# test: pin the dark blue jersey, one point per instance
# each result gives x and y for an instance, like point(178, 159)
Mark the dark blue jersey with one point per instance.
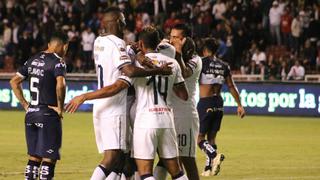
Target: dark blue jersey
point(41, 70)
point(214, 71)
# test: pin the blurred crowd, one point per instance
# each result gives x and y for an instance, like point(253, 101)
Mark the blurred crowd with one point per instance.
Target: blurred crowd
point(277, 39)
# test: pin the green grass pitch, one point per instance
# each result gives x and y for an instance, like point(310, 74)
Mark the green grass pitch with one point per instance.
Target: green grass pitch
point(256, 148)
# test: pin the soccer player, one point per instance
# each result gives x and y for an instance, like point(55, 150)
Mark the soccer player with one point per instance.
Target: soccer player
point(214, 74)
point(154, 126)
point(113, 66)
point(46, 74)
point(185, 112)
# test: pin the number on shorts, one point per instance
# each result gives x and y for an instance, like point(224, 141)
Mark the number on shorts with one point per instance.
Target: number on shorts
point(182, 139)
point(159, 87)
point(34, 82)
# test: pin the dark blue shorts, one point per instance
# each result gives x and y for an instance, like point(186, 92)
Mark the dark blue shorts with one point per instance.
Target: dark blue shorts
point(44, 137)
point(210, 110)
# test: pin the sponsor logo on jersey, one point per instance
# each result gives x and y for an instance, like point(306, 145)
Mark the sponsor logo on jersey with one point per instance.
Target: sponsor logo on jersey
point(159, 109)
point(38, 63)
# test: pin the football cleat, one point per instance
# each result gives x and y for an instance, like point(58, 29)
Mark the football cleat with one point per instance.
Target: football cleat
point(206, 173)
point(216, 164)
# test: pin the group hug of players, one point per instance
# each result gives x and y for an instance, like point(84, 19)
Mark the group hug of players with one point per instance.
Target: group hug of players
point(145, 104)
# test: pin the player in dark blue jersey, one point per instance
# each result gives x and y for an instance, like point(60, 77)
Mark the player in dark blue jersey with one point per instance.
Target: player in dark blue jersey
point(214, 74)
point(46, 73)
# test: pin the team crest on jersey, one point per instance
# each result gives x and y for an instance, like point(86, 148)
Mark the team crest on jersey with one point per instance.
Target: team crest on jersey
point(155, 62)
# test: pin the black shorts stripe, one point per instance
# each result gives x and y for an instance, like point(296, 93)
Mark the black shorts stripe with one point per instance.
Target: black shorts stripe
point(179, 83)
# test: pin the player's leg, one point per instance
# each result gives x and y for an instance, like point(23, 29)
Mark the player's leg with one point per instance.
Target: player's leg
point(190, 166)
point(216, 162)
point(111, 139)
point(144, 149)
point(160, 172)
point(33, 165)
point(187, 129)
point(145, 167)
point(50, 133)
point(205, 111)
point(174, 169)
point(168, 153)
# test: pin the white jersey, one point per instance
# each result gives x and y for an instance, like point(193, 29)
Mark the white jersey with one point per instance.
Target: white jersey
point(188, 108)
point(153, 93)
point(110, 56)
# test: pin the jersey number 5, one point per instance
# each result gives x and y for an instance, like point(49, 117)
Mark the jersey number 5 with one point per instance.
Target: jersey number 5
point(34, 82)
point(160, 85)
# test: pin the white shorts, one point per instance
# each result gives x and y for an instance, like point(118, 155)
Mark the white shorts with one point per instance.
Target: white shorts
point(111, 133)
point(187, 134)
point(148, 141)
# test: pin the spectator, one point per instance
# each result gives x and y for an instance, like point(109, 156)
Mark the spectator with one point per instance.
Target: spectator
point(283, 71)
point(275, 16)
point(296, 72)
point(88, 38)
point(296, 30)
point(218, 10)
point(309, 53)
point(259, 56)
point(253, 68)
point(286, 20)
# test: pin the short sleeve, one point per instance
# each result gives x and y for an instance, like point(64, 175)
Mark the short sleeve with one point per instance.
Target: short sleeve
point(23, 71)
point(126, 79)
point(193, 64)
point(121, 57)
point(179, 78)
point(60, 69)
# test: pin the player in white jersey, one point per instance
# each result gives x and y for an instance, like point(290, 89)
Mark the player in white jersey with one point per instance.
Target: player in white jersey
point(154, 126)
point(185, 113)
point(113, 67)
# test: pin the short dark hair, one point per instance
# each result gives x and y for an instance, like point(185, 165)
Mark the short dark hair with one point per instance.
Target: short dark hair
point(211, 44)
point(186, 32)
point(150, 37)
point(59, 36)
point(113, 10)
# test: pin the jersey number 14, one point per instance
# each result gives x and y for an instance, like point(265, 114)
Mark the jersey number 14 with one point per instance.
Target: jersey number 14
point(160, 86)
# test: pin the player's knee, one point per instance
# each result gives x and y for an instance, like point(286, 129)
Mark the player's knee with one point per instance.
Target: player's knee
point(35, 158)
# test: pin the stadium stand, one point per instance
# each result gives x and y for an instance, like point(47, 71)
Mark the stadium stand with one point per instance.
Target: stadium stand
point(280, 32)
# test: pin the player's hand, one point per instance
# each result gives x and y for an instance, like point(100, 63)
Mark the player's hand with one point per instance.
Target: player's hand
point(134, 46)
point(166, 69)
point(74, 104)
point(178, 44)
point(241, 111)
point(57, 110)
point(26, 106)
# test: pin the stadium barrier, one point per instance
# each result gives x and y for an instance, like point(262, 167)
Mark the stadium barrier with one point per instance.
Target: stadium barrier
point(298, 98)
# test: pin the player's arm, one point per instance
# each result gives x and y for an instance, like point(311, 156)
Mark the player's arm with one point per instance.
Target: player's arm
point(181, 91)
point(235, 93)
point(16, 85)
point(185, 69)
point(104, 92)
point(61, 93)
